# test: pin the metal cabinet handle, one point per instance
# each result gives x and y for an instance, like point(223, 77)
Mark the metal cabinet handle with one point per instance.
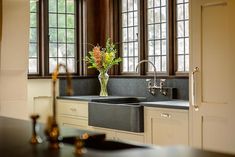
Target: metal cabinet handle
point(195, 70)
point(165, 115)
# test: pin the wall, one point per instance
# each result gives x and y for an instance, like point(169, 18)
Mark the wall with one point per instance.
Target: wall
point(178, 88)
point(39, 97)
point(13, 58)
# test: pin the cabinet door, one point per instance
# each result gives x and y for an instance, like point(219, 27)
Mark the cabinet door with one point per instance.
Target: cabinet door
point(212, 110)
point(129, 137)
point(166, 126)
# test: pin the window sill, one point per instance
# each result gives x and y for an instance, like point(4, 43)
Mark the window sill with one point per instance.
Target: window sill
point(114, 76)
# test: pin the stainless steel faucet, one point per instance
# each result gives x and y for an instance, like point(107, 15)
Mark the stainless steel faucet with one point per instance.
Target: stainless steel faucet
point(153, 88)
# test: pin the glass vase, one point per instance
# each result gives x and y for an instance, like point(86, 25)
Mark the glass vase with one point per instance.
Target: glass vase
point(103, 79)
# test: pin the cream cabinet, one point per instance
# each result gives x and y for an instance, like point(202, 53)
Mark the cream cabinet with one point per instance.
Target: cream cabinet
point(166, 126)
point(212, 42)
point(73, 113)
point(118, 135)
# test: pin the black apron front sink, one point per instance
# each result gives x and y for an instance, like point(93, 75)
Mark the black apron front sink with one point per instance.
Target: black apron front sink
point(121, 114)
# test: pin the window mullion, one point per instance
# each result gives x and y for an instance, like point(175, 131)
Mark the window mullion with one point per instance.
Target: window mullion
point(171, 37)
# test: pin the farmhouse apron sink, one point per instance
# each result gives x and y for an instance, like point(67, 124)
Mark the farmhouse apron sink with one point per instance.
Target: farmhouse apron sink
point(117, 113)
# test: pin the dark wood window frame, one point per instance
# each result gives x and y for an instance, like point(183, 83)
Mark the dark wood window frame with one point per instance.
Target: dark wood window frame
point(43, 37)
point(143, 42)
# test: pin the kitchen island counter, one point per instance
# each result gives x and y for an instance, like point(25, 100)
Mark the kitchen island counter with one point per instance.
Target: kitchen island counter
point(15, 135)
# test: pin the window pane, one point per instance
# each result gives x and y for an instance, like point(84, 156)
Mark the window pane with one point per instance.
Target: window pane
point(124, 34)
point(33, 34)
point(181, 63)
point(61, 50)
point(125, 65)
point(53, 35)
point(124, 5)
point(182, 28)
point(52, 64)
point(71, 50)
point(124, 50)
point(62, 46)
point(129, 29)
point(124, 20)
point(150, 3)
point(33, 19)
point(180, 45)
point(157, 34)
point(130, 5)
point(151, 48)
point(70, 6)
point(33, 6)
point(33, 50)
point(135, 18)
point(61, 35)
point(33, 66)
point(131, 49)
point(157, 47)
point(61, 20)
point(70, 35)
point(52, 6)
point(52, 20)
point(61, 6)
point(33, 44)
point(71, 65)
point(53, 50)
point(186, 63)
point(151, 32)
point(130, 19)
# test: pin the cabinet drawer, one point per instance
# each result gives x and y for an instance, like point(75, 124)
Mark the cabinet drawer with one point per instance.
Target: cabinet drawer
point(81, 123)
point(73, 108)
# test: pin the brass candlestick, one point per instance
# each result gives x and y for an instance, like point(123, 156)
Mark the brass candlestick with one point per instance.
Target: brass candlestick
point(35, 139)
point(52, 130)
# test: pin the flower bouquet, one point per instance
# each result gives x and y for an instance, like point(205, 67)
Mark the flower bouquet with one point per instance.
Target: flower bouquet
point(103, 59)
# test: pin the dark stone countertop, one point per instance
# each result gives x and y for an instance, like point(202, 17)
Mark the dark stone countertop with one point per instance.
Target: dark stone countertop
point(95, 97)
point(15, 135)
point(174, 104)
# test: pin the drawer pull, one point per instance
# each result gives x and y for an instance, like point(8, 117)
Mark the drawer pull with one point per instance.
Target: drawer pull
point(73, 109)
point(165, 115)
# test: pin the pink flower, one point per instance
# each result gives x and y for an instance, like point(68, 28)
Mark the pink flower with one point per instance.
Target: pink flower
point(97, 56)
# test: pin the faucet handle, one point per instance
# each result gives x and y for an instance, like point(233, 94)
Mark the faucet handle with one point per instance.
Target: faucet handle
point(162, 82)
point(149, 82)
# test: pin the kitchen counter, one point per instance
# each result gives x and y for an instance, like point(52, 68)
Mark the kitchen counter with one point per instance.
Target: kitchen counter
point(15, 135)
point(95, 97)
point(174, 104)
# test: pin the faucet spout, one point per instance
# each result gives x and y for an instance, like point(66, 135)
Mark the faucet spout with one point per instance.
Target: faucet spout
point(155, 70)
point(69, 89)
point(52, 130)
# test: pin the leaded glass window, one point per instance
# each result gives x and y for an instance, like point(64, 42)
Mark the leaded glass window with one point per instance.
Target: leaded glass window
point(182, 39)
point(129, 38)
point(62, 34)
point(157, 34)
point(33, 67)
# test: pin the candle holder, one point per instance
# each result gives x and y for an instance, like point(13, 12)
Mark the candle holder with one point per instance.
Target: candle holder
point(35, 139)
